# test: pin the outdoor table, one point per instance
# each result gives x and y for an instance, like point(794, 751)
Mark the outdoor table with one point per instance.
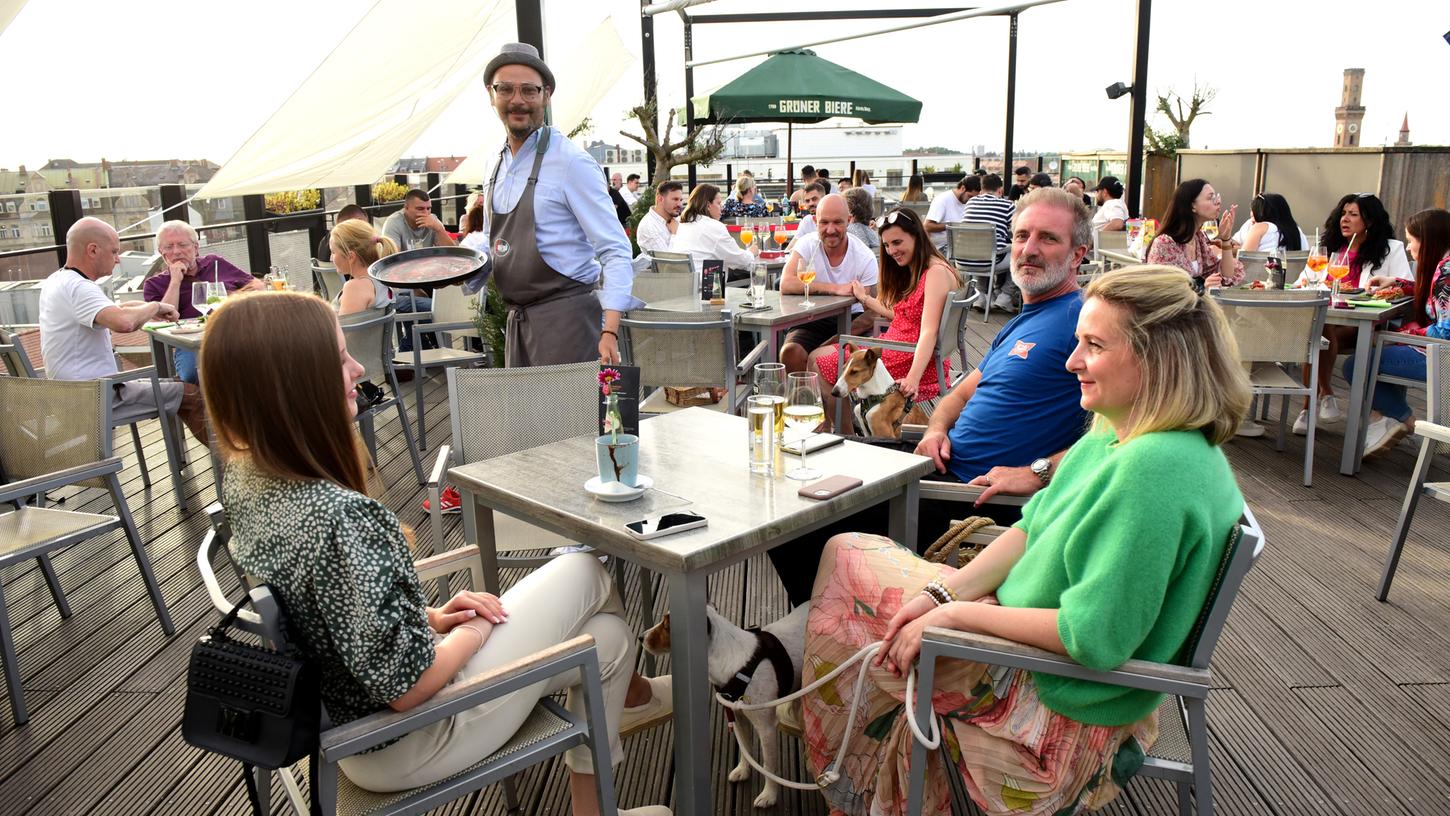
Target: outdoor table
point(699, 460)
point(1367, 321)
point(162, 340)
point(785, 313)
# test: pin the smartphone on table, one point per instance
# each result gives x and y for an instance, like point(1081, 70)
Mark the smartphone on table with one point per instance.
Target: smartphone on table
point(667, 524)
point(829, 487)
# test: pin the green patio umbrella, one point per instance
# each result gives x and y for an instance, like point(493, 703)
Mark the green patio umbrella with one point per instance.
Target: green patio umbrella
point(798, 86)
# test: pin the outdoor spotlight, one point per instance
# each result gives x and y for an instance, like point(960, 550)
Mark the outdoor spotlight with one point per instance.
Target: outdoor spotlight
point(1118, 89)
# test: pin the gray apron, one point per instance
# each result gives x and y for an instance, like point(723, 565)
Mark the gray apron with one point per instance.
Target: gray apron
point(553, 319)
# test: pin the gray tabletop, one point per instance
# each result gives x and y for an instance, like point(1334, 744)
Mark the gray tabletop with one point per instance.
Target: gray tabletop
point(188, 340)
point(698, 459)
point(783, 308)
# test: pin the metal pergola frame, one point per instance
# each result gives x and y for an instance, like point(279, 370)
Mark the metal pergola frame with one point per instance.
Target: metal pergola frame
point(1139, 93)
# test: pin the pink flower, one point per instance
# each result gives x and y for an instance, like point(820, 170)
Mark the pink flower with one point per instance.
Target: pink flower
point(607, 376)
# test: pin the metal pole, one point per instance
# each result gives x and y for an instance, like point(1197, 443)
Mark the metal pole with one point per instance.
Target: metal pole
point(651, 88)
point(789, 158)
point(689, 91)
point(259, 248)
point(530, 18)
point(173, 202)
point(1011, 95)
point(1139, 111)
point(65, 210)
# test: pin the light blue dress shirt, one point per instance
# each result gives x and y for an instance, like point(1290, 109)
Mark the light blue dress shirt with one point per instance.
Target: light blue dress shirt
point(576, 227)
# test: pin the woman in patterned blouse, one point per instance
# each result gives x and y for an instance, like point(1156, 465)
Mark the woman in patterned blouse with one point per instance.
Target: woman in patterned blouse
point(1182, 243)
point(296, 498)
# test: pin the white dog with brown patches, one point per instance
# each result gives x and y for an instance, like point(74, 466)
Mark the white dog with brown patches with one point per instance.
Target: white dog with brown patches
point(751, 666)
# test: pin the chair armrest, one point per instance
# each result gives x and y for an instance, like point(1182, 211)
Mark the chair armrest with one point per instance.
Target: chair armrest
point(438, 328)
point(61, 478)
point(750, 359)
point(959, 492)
point(373, 730)
point(1403, 339)
point(1430, 430)
point(435, 477)
point(133, 374)
point(912, 433)
point(1164, 678)
point(875, 342)
point(448, 562)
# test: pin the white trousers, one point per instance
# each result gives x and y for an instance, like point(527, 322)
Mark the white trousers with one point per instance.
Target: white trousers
point(569, 596)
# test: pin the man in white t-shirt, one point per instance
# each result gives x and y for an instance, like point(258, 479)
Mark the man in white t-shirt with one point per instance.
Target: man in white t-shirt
point(946, 208)
point(630, 191)
point(1112, 214)
point(76, 321)
point(838, 260)
point(658, 225)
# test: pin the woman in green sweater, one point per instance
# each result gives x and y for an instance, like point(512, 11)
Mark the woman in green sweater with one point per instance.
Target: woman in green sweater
point(1113, 560)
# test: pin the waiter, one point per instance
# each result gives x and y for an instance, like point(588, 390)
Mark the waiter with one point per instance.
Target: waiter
point(552, 228)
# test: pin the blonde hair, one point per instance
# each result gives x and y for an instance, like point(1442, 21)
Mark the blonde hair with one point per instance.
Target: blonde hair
point(359, 237)
point(743, 186)
point(1191, 375)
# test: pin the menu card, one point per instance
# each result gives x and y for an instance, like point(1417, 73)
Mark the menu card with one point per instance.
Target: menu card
point(627, 387)
point(712, 279)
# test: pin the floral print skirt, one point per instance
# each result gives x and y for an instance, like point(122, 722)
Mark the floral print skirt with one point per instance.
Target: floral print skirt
point(1015, 755)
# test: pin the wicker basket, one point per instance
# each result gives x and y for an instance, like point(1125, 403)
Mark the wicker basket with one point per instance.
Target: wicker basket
point(691, 397)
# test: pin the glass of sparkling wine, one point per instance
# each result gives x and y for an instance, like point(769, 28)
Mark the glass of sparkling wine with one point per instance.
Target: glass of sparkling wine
point(200, 291)
point(803, 413)
point(761, 411)
point(807, 276)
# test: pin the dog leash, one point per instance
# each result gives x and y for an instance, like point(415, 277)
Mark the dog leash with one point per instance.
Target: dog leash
point(832, 773)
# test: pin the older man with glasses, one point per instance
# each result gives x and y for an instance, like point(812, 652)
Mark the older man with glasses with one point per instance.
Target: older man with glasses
point(179, 246)
point(552, 229)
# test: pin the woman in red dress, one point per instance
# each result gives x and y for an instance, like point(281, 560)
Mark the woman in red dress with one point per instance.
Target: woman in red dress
point(915, 283)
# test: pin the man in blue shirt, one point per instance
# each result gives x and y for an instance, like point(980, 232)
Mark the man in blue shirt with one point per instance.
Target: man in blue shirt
point(1008, 423)
point(549, 219)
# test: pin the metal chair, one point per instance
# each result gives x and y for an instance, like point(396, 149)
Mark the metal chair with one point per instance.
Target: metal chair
point(1434, 431)
point(1110, 240)
point(1182, 750)
point(973, 244)
point(684, 349)
point(17, 363)
point(326, 280)
point(54, 436)
point(654, 286)
point(1254, 265)
point(549, 730)
point(675, 262)
point(452, 320)
point(369, 338)
point(1274, 329)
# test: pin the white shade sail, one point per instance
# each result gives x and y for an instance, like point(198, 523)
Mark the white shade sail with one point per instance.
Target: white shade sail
point(8, 10)
point(370, 99)
point(585, 72)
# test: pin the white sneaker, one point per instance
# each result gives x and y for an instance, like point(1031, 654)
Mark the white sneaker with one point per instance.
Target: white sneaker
point(647, 810)
point(1301, 424)
point(1251, 428)
point(1329, 409)
point(1382, 435)
point(1004, 302)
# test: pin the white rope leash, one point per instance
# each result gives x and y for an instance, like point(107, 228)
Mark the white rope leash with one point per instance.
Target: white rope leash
point(832, 773)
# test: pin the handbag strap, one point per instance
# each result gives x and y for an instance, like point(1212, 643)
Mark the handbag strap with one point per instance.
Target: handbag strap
point(314, 805)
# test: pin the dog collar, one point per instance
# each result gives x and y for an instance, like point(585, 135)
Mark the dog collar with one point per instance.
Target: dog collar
point(767, 647)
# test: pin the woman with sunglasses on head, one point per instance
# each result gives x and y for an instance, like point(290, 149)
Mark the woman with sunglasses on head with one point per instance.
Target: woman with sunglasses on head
point(1271, 227)
point(342, 564)
point(914, 284)
point(1427, 236)
point(1358, 230)
point(1181, 241)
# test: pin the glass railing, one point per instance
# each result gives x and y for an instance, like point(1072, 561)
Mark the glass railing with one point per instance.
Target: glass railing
point(25, 224)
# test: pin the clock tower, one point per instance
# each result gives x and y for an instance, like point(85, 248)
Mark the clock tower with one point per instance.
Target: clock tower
point(1350, 114)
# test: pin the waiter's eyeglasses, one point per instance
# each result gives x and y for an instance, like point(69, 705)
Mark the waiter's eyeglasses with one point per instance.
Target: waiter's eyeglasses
point(529, 91)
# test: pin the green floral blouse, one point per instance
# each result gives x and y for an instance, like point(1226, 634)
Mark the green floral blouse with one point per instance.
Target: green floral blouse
point(340, 563)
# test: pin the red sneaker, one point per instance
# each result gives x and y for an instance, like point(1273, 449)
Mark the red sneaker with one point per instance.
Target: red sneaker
point(449, 502)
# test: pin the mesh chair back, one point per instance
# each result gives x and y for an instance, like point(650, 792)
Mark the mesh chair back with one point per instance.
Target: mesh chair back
point(451, 305)
point(1245, 545)
point(1437, 383)
point(498, 411)
point(327, 281)
point(234, 251)
point(1275, 327)
point(679, 348)
point(652, 287)
point(1111, 240)
point(13, 357)
point(675, 262)
point(1254, 265)
point(975, 242)
point(952, 335)
point(52, 425)
point(369, 337)
point(1296, 259)
point(292, 250)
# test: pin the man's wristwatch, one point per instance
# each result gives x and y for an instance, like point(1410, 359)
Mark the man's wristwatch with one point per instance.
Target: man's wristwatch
point(1042, 469)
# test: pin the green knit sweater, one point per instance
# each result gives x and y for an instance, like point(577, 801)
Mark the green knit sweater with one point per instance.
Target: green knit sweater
point(1125, 544)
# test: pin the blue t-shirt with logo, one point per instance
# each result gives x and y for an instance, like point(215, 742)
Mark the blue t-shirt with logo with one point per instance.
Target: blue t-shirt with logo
point(1027, 403)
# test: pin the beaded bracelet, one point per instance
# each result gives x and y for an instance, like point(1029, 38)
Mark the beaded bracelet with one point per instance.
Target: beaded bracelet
point(937, 592)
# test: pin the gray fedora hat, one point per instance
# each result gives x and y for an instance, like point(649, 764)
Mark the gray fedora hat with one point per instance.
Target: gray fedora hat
point(519, 54)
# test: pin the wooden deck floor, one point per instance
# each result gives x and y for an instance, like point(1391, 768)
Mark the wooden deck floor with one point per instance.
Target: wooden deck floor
point(1328, 701)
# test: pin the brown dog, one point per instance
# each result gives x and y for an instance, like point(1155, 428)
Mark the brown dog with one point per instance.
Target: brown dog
point(877, 404)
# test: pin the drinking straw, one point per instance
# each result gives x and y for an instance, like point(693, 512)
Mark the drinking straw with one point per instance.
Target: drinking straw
point(1316, 238)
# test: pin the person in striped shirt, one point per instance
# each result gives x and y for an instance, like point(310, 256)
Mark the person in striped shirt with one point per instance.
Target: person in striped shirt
point(991, 208)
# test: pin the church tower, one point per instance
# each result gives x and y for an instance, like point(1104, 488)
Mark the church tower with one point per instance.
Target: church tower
point(1349, 115)
point(1404, 140)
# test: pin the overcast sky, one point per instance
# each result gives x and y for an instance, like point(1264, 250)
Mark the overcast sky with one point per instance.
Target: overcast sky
point(152, 79)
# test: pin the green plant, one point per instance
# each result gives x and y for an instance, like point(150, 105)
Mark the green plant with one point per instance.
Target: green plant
point(927, 169)
point(386, 191)
point(490, 322)
point(293, 201)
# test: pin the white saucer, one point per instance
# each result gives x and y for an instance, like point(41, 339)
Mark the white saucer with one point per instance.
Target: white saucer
point(618, 492)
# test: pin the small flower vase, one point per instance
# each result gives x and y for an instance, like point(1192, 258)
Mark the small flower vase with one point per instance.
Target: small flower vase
point(617, 454)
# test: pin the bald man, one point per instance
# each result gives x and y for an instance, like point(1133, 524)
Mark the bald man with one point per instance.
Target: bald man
point(840, 261)
point(76, 321)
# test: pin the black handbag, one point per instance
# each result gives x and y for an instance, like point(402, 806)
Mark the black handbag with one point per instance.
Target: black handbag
point(257, 705)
